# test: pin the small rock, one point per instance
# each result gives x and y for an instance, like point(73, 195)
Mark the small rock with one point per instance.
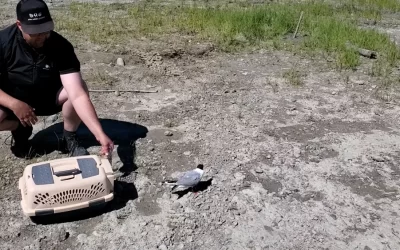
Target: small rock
point(117, 93)
point(168, 123)
point(296, 152)
point(258, 170)
point(162, 247)
point(151, 148)
point(63, 235)
point(143, 224)
point(168, 133)
point(377, 158)
point(120, 62)
point(268, 156)
point(176, 206)
point(246, 184)
point(187, 153)
point(239, 176)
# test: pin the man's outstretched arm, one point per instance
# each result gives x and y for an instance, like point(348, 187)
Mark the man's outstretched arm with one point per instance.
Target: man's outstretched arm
point(74, 86)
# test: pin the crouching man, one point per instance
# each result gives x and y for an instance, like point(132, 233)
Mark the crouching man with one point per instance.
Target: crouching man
point(40, 76)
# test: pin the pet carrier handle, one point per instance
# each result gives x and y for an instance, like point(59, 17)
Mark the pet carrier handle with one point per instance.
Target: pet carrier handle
point(67, 172)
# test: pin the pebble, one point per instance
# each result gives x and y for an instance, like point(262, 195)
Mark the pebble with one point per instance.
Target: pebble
point(63, 235)
point(162, 247)
point(120, 62)
point(168, 123)
point(377, 158)
point(296, 152)
point(239, 176)
point(168, 133)
point(176, 205)
point(259, 170)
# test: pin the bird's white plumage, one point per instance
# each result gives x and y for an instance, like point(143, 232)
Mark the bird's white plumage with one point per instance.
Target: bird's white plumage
point(189, 179)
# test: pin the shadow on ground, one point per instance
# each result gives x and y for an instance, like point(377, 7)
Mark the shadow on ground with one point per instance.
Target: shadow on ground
point(123, 134)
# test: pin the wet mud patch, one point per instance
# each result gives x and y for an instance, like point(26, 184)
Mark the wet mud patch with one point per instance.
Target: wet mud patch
point(373, 186)
point(303, 133)
point(316, 151)
point(311, 195)
point(269, 184)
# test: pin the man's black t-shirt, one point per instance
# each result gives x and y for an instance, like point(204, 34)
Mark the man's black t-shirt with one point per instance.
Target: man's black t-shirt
point(34, 76)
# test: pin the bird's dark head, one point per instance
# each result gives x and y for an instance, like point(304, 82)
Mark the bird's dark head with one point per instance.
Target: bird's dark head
point(200, 166)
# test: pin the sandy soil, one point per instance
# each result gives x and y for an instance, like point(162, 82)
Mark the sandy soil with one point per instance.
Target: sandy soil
point(287, 167)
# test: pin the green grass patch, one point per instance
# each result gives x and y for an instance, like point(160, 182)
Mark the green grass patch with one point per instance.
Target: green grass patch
point(325, 28)
point(294, 77)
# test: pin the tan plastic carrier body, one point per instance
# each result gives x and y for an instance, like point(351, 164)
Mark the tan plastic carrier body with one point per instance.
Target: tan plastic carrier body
point(66, 184)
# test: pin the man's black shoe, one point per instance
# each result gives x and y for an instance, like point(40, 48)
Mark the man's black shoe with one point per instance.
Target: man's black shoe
point(22, 147)
point(72, 144)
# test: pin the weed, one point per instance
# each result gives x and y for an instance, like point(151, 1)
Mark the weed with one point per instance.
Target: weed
point(294, 77)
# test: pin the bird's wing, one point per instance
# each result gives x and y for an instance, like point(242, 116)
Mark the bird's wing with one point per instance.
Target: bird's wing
point(189, 179)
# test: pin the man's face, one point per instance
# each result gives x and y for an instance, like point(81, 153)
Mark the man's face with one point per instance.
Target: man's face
point(34, 40)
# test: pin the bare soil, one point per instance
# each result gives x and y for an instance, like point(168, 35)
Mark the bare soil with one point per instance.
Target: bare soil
point(314, 166)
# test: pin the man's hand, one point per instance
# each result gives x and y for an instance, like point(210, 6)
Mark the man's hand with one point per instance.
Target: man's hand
point(25, 113)
point(107, 145)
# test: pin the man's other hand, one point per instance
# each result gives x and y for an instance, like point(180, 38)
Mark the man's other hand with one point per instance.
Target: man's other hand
point(25, 113)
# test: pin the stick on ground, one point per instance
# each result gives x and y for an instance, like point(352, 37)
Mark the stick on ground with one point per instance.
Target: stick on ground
point(364, 52)
point(112, 90)
point(298, 24)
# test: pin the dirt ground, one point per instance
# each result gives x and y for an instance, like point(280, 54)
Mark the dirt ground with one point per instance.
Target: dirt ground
point(286, 167)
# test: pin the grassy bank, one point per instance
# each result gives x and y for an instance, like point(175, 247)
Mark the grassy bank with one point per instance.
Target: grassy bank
point(325, 28)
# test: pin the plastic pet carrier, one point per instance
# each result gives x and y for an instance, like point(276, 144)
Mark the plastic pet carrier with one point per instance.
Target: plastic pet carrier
point(67, 184)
